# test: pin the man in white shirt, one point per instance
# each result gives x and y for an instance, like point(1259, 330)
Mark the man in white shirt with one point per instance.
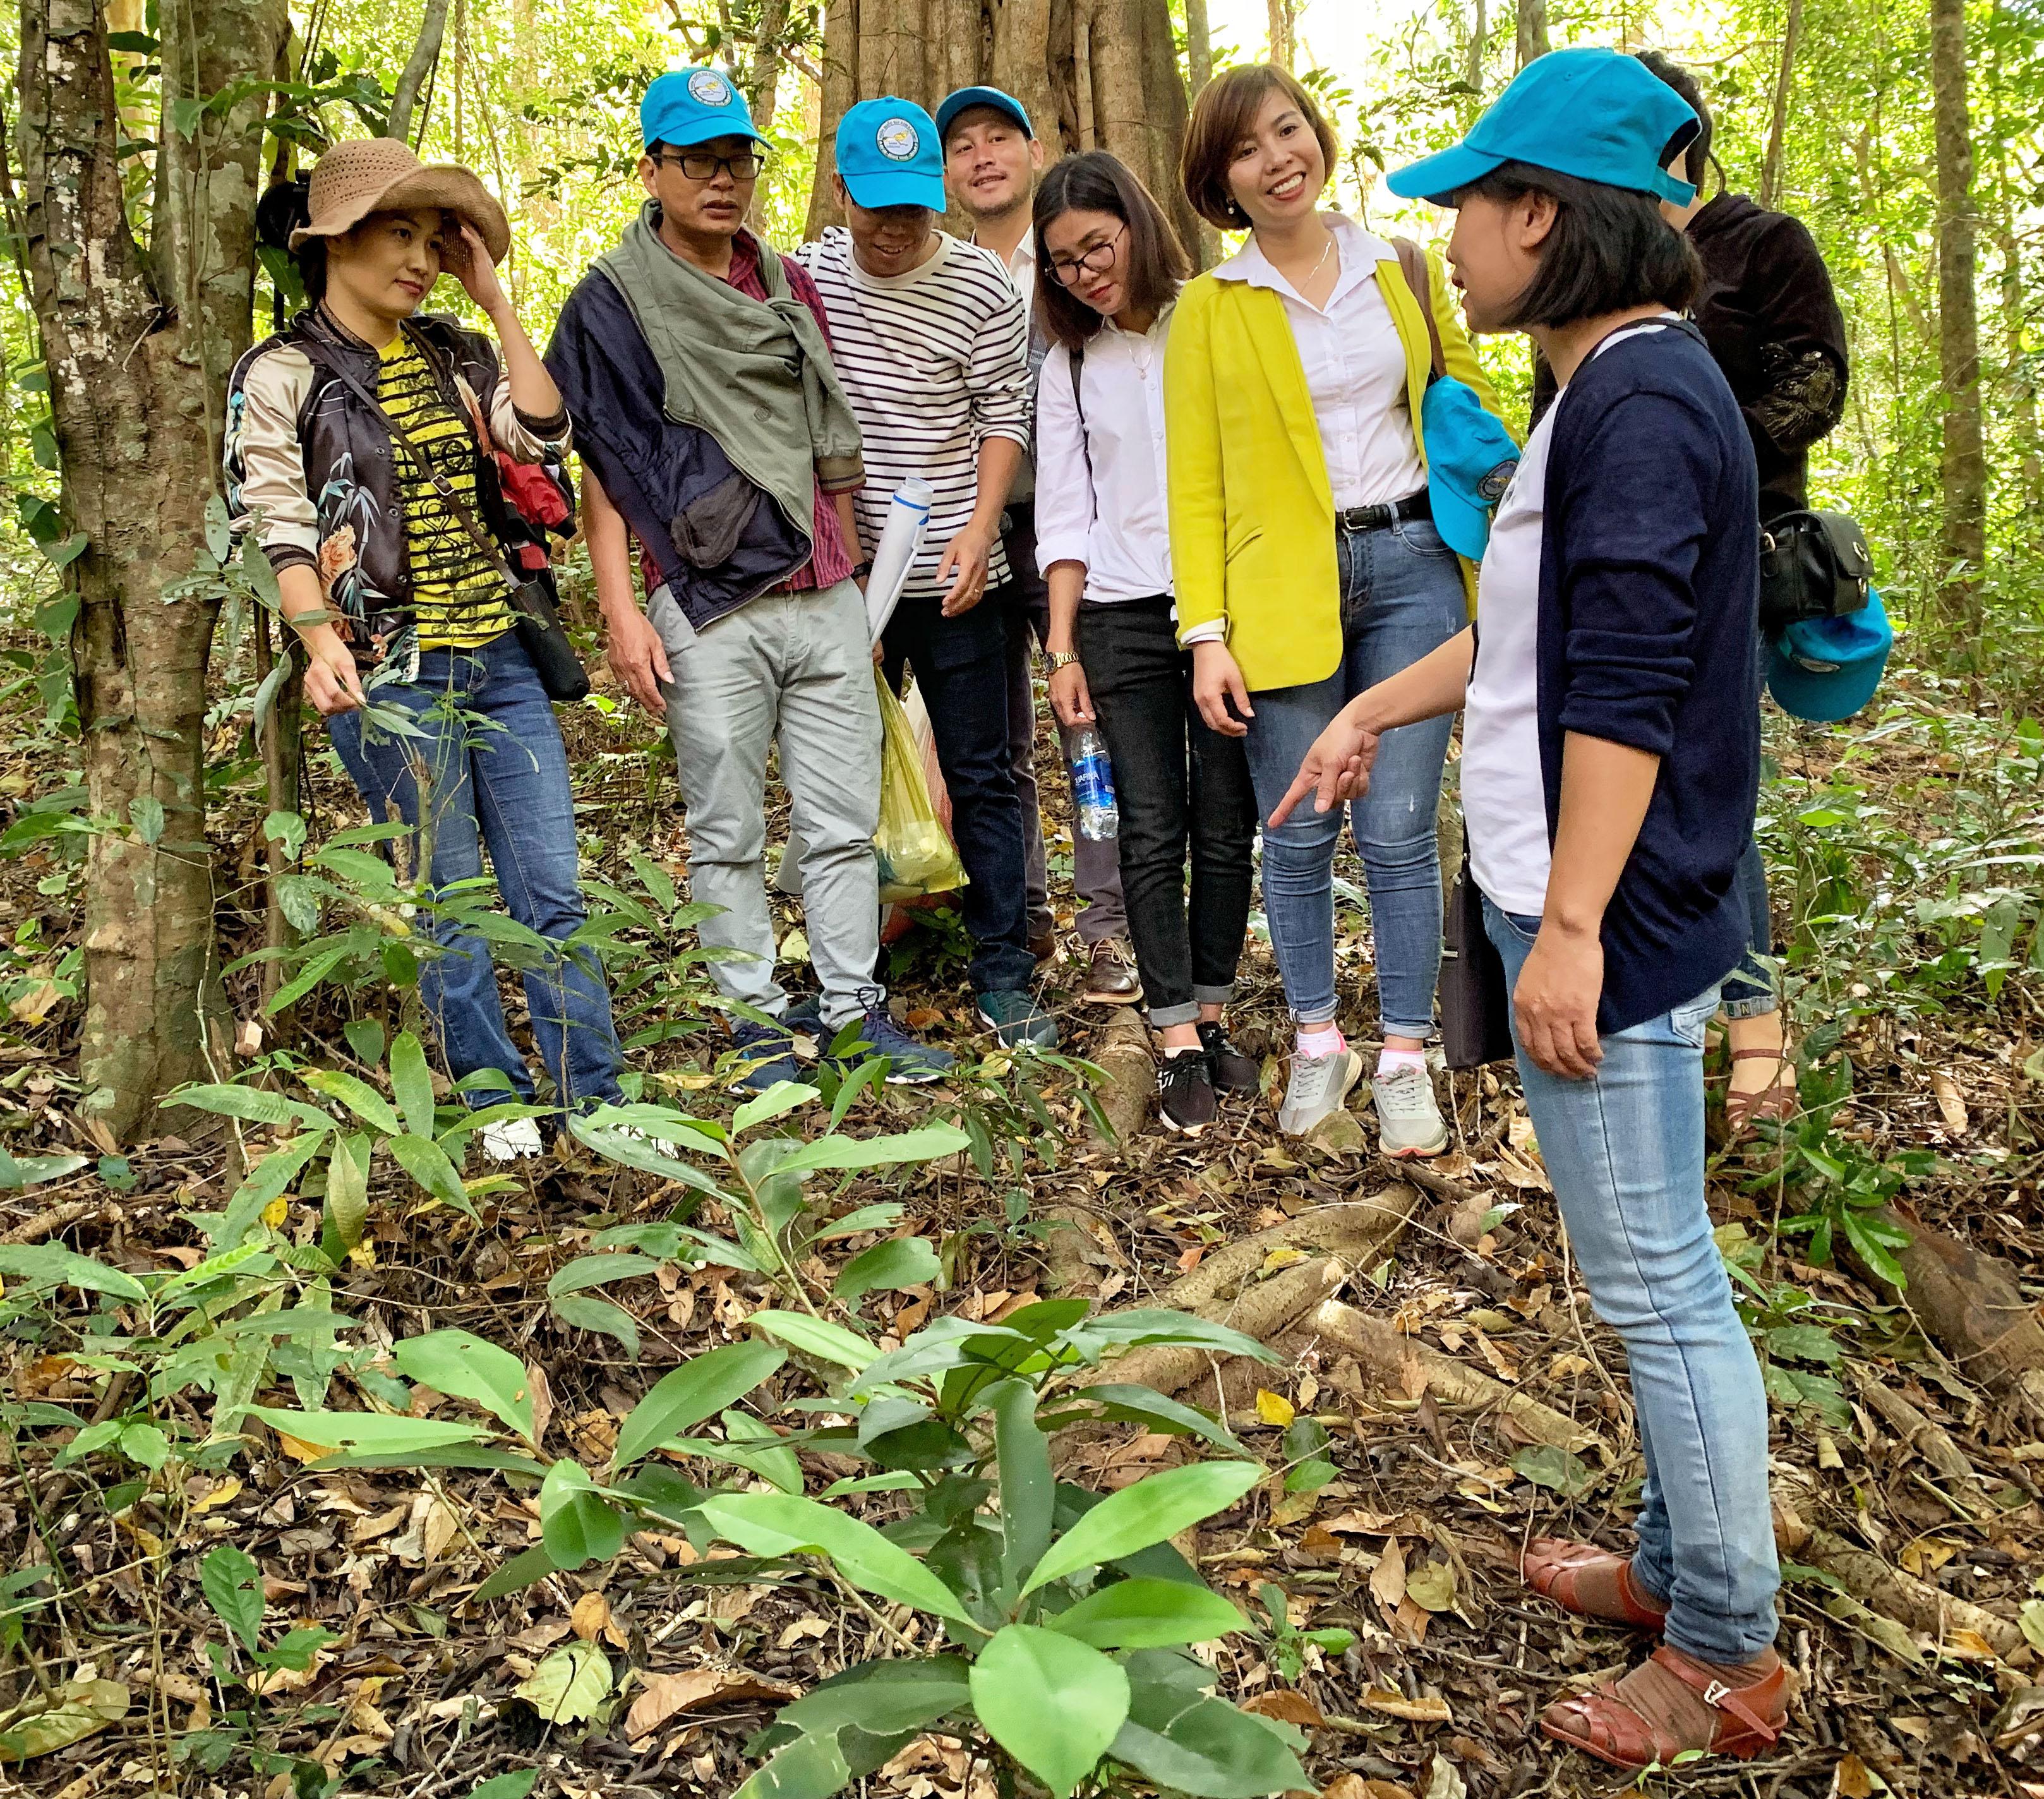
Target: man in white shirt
point(929, 340)
point(992, 157)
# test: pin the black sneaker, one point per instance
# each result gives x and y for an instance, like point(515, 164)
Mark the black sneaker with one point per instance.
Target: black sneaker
point(1185, 1092)
point(766, 1054)
point(1234, 1072)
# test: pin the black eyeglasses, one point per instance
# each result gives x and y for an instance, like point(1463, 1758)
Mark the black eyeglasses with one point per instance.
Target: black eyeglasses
point(702, 165)
point(1100, 258)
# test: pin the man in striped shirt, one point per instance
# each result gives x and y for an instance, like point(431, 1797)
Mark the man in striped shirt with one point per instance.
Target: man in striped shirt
point(931, 341)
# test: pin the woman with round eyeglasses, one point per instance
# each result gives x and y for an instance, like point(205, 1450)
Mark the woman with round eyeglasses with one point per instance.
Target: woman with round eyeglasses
point(1104, 544)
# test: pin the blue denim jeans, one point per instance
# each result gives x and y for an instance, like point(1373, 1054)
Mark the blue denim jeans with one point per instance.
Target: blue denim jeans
point(1401, 598)
point(1625, 1151)
point(493, 760)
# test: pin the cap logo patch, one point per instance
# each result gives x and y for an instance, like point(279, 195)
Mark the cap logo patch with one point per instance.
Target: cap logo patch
point(710, 88)
point(898, 140)
point(1491, 488)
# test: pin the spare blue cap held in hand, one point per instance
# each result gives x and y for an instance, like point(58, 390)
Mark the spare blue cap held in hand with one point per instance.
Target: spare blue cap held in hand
point(1470, 458)
point(1826, 669)
point(686, 106)
point(1594, 114)
point(953, 104)
point(889, 154)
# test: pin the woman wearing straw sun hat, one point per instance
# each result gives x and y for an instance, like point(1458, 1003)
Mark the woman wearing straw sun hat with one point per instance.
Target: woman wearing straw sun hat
point(1610, 762)
point(362, 449)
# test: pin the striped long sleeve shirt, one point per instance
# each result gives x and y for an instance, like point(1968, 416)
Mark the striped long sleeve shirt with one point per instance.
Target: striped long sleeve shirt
point(934, 362)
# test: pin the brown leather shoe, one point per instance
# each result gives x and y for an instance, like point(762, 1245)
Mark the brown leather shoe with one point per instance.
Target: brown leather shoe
point(1111, 979)
point(1043, 945)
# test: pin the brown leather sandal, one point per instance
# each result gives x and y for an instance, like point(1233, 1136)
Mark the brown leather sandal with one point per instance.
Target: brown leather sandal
point(1775, 1104)
point(1616, 1726)
point(1554, 1567)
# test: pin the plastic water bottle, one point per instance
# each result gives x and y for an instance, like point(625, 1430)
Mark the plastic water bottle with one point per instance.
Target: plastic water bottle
point(1093, 788)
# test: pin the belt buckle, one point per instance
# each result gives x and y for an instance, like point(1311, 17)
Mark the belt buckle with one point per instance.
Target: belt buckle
point(1717, 1693)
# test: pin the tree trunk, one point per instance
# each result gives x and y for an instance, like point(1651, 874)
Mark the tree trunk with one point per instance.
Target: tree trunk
point(1963, 541)
point(762, 77)
point(1532, 31)
point(1473, 68)
point(1092, 73)
point(1778, 125)
point(1281, 32)
point(1199, 67)
point(425, 53)
point(138, 350)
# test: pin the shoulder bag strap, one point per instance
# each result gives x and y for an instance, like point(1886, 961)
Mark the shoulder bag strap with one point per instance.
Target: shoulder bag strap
point(1412, 259)
point(441, 485)
point(1075, 360)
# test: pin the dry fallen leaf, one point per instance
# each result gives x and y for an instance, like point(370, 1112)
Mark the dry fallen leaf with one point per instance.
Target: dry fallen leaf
point(1356, 1787)
point(1950, 1107)
point(1849, 1779)
point(667, 1696)
point(801, 1630)
point(1273, 1409)
point(1387, 1580)
point(1925, 1556)
point(1287, 1708)
point(1395, 1704)
point(591, 1613)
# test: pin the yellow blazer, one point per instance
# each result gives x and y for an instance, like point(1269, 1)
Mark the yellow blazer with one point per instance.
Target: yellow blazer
point(1252, 513)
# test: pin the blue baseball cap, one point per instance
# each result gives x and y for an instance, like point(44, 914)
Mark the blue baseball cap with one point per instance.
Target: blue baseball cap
point(1826, 669)
point(954, 104)
point(686, 106)
point(890, 153)
point(1595, 115)
point(1470, 459)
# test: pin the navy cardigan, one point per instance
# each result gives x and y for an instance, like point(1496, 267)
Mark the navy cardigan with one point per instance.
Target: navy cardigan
point(1649, 585)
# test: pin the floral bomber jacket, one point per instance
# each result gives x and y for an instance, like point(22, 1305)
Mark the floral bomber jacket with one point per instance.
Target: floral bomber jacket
point(310, 469)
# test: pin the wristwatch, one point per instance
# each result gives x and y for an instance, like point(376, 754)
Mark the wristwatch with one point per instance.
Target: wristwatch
point(1062, 658)
point(861, 570)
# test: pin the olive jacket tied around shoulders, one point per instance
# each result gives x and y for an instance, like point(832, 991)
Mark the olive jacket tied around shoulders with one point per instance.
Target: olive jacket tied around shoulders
point(1252, 512)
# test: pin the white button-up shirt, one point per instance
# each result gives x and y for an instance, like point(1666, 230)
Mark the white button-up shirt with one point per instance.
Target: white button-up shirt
point(1101, 480)
point(1355, 362)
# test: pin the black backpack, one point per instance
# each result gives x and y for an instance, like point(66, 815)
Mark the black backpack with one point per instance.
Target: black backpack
point(1812, 565)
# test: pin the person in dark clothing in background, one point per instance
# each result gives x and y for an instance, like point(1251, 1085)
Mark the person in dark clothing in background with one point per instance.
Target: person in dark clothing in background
point(1768, 313)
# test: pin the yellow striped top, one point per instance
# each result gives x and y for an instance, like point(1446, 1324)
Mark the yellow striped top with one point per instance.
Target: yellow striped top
point(458, 597)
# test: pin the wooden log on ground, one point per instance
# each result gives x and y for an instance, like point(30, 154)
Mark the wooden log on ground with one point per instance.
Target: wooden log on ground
point(1382, 1351)
point(1971, 1303)
point(1360, 1233)
point(1131, 1085)
point(1929, 1441)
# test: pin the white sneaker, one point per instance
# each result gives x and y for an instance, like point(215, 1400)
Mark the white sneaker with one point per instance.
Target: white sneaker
point(1318, 1086)
point(1408, 1117)
point(513, 1140)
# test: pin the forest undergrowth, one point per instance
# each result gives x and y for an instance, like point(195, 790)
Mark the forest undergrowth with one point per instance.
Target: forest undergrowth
point(492, 1574)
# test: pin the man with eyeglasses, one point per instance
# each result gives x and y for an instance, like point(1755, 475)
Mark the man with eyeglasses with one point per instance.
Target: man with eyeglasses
point(713, 430)
point(992, 158)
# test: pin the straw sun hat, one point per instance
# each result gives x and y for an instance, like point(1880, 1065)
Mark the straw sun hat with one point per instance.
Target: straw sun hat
point(380, 174)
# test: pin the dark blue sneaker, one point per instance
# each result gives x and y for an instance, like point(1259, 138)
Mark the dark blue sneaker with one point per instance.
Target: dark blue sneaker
point(805, 1018)
point(910, 1063)
point(1017, 1021)
point(768, 1050)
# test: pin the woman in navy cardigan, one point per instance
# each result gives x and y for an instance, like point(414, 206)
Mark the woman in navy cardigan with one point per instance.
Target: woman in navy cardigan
point(1610, 757)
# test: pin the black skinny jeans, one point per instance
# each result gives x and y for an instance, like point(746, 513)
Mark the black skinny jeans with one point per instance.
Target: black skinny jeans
point(1175, 779)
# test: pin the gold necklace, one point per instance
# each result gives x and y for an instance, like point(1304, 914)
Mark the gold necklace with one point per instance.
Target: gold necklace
point(1322, 264)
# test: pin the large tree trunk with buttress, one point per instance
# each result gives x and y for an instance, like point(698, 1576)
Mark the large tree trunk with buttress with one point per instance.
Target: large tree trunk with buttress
point(1094, 75)
point(1964, 544)
point(139, 346)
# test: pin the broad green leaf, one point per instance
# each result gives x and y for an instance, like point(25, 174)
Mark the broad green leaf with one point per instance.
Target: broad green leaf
point(700, 1389)
point(1148, 1614)
point(359, 1096)
point(346, 1194)
point(750, 1444)
point(817, 1337)
point(259, 1104)
point(412, 1081)
point(1156, 1507)
point(1546, 1465)
point(1154, 1327)
point(1052, 1703)
point(775, 1524)
point(932, 1143)
point(1212, 1751)
point(597, 1270)
point(233, 1587)
point(453, 1361)
point(515, 1784)
point(883, 1216)
point(1144, 1406)
point(778, 1100)
point(378, 1433)
point(522, 1570)
point(636, 1152)
point(577, 1524)
point(53, 1264)
point(583, 1313)
point(899, 1261)
point(19, 1172)
point(811, 1767)
point(76, 1710)
point(427, 1163)
point(882, 1697)
point(569, 1684)
point(1028, 1491)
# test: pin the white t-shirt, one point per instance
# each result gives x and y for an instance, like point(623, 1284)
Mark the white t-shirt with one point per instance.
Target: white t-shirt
point(1504, 797)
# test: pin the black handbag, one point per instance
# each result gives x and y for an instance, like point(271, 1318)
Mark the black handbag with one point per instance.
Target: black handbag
point(1476, 1005)
point(1812, 565)
point(534, 618)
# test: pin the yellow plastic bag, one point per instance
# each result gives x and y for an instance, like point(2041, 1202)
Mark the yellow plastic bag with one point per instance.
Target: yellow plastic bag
point(916, 853)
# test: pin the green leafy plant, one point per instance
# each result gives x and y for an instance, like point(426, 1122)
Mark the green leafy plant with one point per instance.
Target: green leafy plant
point(1288, 1643)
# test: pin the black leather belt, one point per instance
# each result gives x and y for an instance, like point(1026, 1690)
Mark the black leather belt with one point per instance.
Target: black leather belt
point(1376, 518)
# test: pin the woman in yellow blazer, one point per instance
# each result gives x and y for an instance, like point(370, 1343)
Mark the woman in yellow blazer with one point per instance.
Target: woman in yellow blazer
point(1307, 561)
